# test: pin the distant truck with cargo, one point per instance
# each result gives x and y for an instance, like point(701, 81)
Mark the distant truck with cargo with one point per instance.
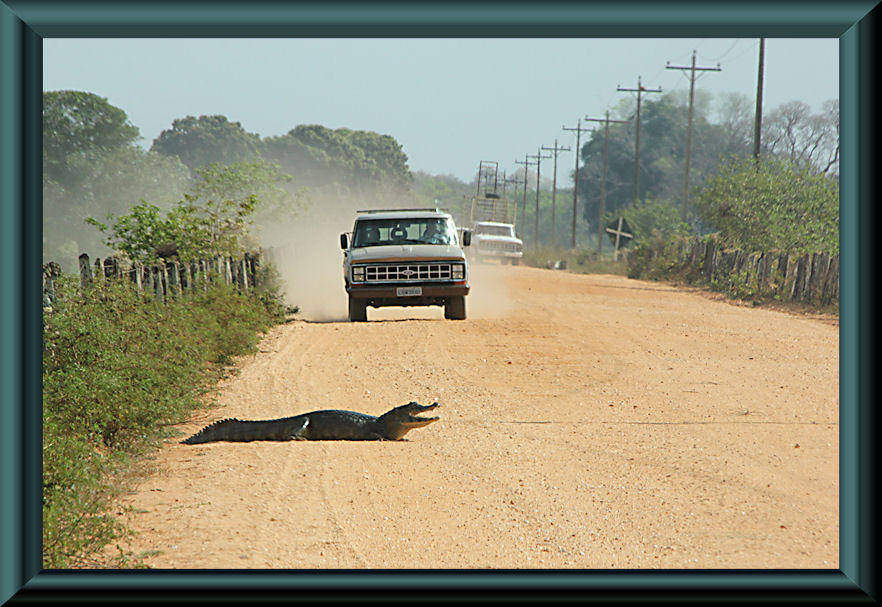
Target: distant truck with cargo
point(492, 219)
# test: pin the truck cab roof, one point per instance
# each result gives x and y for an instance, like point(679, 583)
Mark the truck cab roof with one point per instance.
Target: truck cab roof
point(399, 213)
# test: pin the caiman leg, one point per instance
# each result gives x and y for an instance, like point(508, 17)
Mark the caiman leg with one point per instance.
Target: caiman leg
point(298, 434)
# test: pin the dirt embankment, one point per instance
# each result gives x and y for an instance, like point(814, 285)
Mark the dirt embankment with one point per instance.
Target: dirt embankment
point(586, 422)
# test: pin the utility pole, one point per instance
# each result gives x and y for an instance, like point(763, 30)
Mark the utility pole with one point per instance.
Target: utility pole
point(539, 157)
point(602, 209)
point(692, 69)
point(639, 90)
point(508, 180)
point(578, 130)
point(555, 151)
point(758, 121)
point(527, 164)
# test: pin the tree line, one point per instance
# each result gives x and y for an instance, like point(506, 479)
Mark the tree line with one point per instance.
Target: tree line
point(789, 199)
point(753, 203)
point(205, 176)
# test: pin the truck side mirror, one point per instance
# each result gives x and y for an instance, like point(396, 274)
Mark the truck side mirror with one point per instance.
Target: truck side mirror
point(466, 238)
point(344, 241)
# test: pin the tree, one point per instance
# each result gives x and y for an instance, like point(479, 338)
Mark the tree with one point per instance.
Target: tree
point(805, 139)
point(201, 141)
point(776, 205)
point(107, 183)
point(736, 113)
point(342, 159)
point(78, 125)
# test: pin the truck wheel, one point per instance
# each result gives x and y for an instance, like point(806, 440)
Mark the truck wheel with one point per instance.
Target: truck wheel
point(455, 308)
point(357, 310)
point(515, 261)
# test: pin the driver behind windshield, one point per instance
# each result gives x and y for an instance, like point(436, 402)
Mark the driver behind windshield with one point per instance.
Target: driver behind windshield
point(436, 232)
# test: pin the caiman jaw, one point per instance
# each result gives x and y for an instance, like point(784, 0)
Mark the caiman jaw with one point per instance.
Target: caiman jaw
point(422, 421)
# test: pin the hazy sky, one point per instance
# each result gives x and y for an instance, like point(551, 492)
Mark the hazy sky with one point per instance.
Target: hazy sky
point(449, 102)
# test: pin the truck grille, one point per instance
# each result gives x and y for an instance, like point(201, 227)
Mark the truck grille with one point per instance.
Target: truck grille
point(501, 246)
point(411, 272)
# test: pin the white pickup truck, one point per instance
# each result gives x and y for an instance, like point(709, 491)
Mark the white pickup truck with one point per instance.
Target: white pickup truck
point(493, 239)
point(405, 257)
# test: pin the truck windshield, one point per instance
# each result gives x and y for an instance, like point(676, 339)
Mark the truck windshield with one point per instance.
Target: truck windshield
point(493, 230)
point(422, 230)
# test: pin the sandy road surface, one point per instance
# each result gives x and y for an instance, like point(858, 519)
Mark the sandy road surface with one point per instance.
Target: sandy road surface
point(592, 422)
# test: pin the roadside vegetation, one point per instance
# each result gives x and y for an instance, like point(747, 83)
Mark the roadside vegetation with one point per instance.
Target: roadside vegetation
point(118, 370)
point(580, 260)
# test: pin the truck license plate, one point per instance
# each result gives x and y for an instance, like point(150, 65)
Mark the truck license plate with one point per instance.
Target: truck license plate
point(408, 291)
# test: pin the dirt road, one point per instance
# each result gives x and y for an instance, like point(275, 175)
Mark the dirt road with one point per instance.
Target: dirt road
point(586, 422)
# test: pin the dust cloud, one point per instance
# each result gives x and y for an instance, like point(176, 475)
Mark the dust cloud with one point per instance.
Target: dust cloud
point(489, 296)
point(306, 252)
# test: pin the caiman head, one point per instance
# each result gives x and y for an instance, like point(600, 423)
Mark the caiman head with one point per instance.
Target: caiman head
point(401, 420)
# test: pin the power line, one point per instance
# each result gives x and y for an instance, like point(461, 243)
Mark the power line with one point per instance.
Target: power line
point(554, 150)
point(692, 69)
point(639, 90)
point(527, 164)
point(578, 131)
point(734, 44)
point(601, 210)
point(539, 157)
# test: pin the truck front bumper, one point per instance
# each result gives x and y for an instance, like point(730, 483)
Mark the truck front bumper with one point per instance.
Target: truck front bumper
point(433, 293)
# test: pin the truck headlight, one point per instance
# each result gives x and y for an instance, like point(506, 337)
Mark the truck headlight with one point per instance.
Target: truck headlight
point(358, 274)
point(457, 271)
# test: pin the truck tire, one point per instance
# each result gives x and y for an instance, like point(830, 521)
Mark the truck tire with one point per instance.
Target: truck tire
point(515, 261)
point(357, 310)
point(455, 308)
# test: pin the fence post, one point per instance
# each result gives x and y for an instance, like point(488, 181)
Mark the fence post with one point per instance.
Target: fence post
point(234, 274)
point(111, 268)
point(51, 271)
point(98, 276)
point(158, 292)
point(228, 270)
point(709, 255)
point(85, 271)
point(243, 272)
point(186, 277)
point(249, 268)
point(204, 269)
point(137, 269)
point(761, 264)
point(172, 279)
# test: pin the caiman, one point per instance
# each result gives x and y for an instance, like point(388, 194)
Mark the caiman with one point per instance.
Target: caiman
point(331, 424)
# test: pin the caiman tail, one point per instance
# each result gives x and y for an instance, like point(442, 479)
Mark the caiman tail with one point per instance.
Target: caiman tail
point(233, 429)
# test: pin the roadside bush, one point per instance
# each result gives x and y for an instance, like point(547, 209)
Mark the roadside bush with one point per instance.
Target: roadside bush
point(117, 368)
point(582, 261)
point(773, 206)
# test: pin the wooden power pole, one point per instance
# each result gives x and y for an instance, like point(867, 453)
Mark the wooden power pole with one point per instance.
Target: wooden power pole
point(578, 130)
point(639, 90)
point(692, 69)
point(555, 151)
point(758, 121)
point(539, 157)
point(602, 208)
point(527, 164)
